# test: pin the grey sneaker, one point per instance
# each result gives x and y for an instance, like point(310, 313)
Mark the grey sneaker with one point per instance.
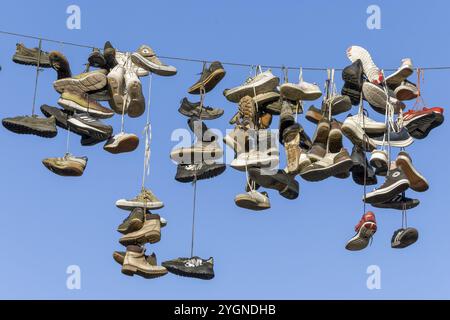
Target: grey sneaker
point(133, 222)
point(42, 127)
point(403, 238)
point(193, 109)
point(26, 56)
point(146, 199)
point(67, 166)
point(262, 83)
point(146, 58)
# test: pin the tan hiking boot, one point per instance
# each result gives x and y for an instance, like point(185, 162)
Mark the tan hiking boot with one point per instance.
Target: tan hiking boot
point(135, 262)
point(247, 112)
point(67, 166)
point(119, 257)
point(149, 233)
point(76, 101)
point(84, 82)
point(265, 120)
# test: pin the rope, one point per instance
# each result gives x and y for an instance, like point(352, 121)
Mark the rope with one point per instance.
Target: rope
point(37, 77)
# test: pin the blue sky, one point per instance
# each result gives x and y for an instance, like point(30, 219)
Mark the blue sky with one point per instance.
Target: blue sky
point(294, 250)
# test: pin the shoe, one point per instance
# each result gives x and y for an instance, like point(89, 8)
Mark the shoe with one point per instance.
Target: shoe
point(396, 183)
point(417, 182)
point(134, 221)
point(119, 257)
point(279, 180)
point(194, 267)
point(96, 59)
point(199, 152)
point(372, 72)
point(263, 99)
point(399, 202)
point(135, 262)
point(38, 126)
point(365, 230)
point(287, 119)
point(149, 233)
point(403, 238)
point(237, 139)
point(31, 57)
point(74, 101)
point(124, 59)
point(109, 53)
point(317, 152)
point(262, 83)
point(60, 64)
point(406, 91)
point(371, 127)
point(136, 103)
point(264, 120)
point(400, 139)
point(209, 78)
point(67, 166)
point(378, 99)
point(84, 82)
point(60, 116)
point(335, 136)
point(253, 200)
point(200, 171)
point(83, 123)
point(402, 73)
point(122, 142)
point(191, 109)
point(420, 123)
point(340, 104)
point(314, 115)
point(291, 139)
point(247, 112)
point(87, 140)
point(100, 95)
point(300, 91)
point(362, 171)
point(353, 75)
point(145, 199)
point(116, 88)
point(353, 93)
point(379, 161)
point(268, 158)
point(322, 131)
point(352, 129)
point(330, 165)
point(146, 58)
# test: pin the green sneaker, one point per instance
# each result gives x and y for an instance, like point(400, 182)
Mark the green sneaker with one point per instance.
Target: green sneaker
point(146, 199)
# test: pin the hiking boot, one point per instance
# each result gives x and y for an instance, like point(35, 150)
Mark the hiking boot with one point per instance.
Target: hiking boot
point(136, 104)
point(420, 123)
point(119, 257)
point(109, 53)
point(279, 180)
point(26, 56)
point(376, 96)
point(194, 267)
point(365, 230)
point(353, 75)
point(149, 233)
point(116, 88)
point(135, 262)
point(317, 152)
point(193, 109)
point(145, 58)
point(372, 72)
point(42, 127)
point(96, 59)
point(253, 200)
point(209, 78)
point(247, 112)
point(200, 171)
point(331, 164)
point(134, 221)
point(362, 172)
point(67, 166)
point(335, 136)
point(75, 101)
point(84, 82)
point(322, 131)
point(399, 139)
point(356, 134)
point(396, 183)
point(406, 91)
point(60, 64)
point(84, 124)
point(145, 199)
point(401, 74)
point(261, 83)
point(379, 161)
point(314, 115)
point(60, 115)
point(399, 202)
point(300, 91)
point(291, 138)
point(340, 104)
point(403, 238)
point(122, 142)
point(371, 127)
point(417, 182)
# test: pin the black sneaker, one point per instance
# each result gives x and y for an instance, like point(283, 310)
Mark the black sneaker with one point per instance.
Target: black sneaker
point(361, 168)
point(42, 127)
point(96, 59)
point(396, 182)
point(60, 115)
point(403, 238)
point(399, 139)
point(353, 74)
point(399, 202)
point(89, 126)
point(352, 92)
point(133, 222)
point(194, 267)
point(191, 109)
point(209, 78)
point(188, 172)
point(284, 183)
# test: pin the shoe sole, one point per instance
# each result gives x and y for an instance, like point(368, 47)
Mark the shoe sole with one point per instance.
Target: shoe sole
point(384, 195)
point(130, 270)
point(140, 61)
point(136, 107)
point(21, 129)
point(397, 205)
point(116, 96)
point(247, 203)
point(320, 174)
point(73, 106)
point(64, 172)
point(372, 72)
point(352, 132)
point(207, 174)
point(147, 237)
point(361, 240)
point(202, 276)
point(419, 133)
point(267, 163)
point(322, 132)
point(399, 76)
point(209, 83)
point(397, 144)
point(404, 93)
point(335, 140)
point(29, 61)
point(123, 146)
point(267, 97)
point(313, 116)
point(90, 82)
point(262, 86)
point(130, 205)
point(288, 191)
point(417, 182)
point(340, 106)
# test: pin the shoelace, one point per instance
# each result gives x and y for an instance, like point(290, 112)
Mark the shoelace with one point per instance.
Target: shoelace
point(193, 262)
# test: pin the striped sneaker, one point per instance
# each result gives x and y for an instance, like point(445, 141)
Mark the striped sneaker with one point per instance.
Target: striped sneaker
point(83, 123)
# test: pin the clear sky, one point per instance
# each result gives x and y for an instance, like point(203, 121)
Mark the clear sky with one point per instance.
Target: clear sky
point(295, 250)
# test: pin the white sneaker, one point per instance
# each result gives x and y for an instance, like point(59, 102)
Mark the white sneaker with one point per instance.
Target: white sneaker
point(379, 161)
point(262, 83)
point(122, 142)
point(253, 200)
point(356, 134)
point(136, 100)
point(376, 96)
point(301, 91)
point(255, 158)
point(369, 125)
point(122, 59)
point(372, 72)
point(116, 88)
point(403, 72)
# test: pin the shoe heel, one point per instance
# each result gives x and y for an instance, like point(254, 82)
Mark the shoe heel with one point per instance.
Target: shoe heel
point(129, 270)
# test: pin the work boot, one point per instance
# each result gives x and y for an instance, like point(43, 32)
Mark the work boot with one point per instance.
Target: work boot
point(135, 262)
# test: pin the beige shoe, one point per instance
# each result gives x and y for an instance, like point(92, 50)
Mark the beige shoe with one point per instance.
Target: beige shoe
point(84, 82)
point(67, 166)
point(122, 142)
point(135, 262)
point(236, 140)
point(146, 58)
point(116, 88)
point(199, 152)
point(76, 101)
point(150, 232)
point(253, 200)
point(145, 199)
point(136, 101)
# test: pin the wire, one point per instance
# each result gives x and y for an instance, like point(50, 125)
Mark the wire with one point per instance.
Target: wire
point(235, 64)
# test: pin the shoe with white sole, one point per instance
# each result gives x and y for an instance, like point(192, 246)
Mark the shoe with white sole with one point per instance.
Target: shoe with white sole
point(84, 124)
point(146, 58)
point(124, 59)
point(379, 161)
point(135, 262)
point(201, 151)
point(406, 91)
point(400, 139)
point(396, 183)
point(253, 200)
point(136, 101)
point(116, 88)
point(365, 230)
point(403, 238)
point(372, 72)
point(417, 181)
point(352, 129)
point(122, 142)
point(401, 74)
point(145, 199)
point(261, 83)
point(256, 158)
point(67, 166)
point(331, 165)
point(300, 91)
point(75, 101)
point(376, 96)
point(371, 127)
point(85, 82)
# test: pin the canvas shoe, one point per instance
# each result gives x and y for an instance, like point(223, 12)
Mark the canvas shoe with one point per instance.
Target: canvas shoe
point(145, 199)
point(124, 59)
point(370, 126)
point(365, 230)
point(261, 83)
point(406, 91)
point(119, 257)
point(116, 88)
point(75, 101)
point(194, 267)
point(149, 233)
point(402, 73)
point(134, 221)
point(353, 75)
point(67, 166)
point(396, 183)
point(96, 59)
point(279, 180)
point(146, 58)
point(354, 93)
point(136, 101)
point(335, 136)
point(399, 202)
point(121, 142)
point(379, 161)
point(300, 91)
point(60, 64)
point(253, 200)
point(209, 78)
point(191, 172)
point(237, 139)
point(38, 126)
point(83, 123)
point(340, 104)
point(362, 171)
point(352, 129)
point(84, 82)
point(417, 182)
point(200, 151)
point(372, 72)
point(61, 116)
point(400, 139)
point(31, 57)
point(135, 262)
point(403, 238)
point(331, 165)
point(378, 99)
point(193, 109)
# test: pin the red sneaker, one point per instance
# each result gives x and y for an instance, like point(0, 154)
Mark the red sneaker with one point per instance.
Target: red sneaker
point(434, 109)
point(365, 229)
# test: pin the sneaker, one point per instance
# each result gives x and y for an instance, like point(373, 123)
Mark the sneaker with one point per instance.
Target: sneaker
point(335, 136)
point(403, 238)
point(417, 182)
point(352, 129)
point(67, 166)
point(31, 57)
point(237, 139)
point(200, 171)
point(399, 202)
point(75, 101)
point(87, 140)
point(406, 91)
point(322, 131)
point(314, 115)
point(370, 126)
point(124, 59)
point(119, 257)
point(122, 142)
point(256, 158)
point(134, 221)
point(365, 230)
point(331, 165)
point(61, 116)
point(145, 199)
point(284, 183)
point(265, 98)
point(253, 200)
point(136, 103)
point(353, 75)
point(261, 83)
point(209, 78)
point(317, 152)
point(96, 59)
point(116, 88)
point(194, 267)
point(109, 53)
point(354, 93)
point(340, 104)
point(300, 91)
point(201, 151)
point(84, 82)
point(372, 72)
point(83, 123)
point(362, 171)
point(402, 73)
point(291, 139)
point(378, 99)
point(60, 64)
point(149, 233)
point(191, 109)
point(420, 123)
point(400, 139)
point(100, 95)
point(396, 183)
point(146, 58)
point(42, 127)
point(135, 262)
point(379, 161)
